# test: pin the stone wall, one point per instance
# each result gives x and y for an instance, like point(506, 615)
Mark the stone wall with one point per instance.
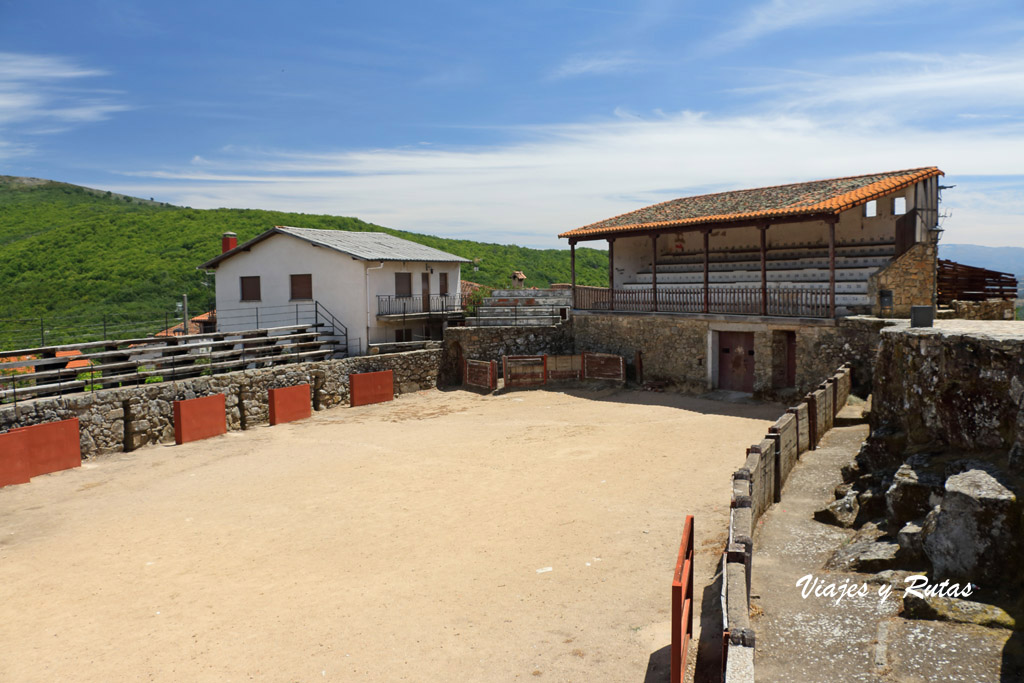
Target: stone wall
point(993, 309)
point(959, 384)
point(675, 348)
point(127, 418)
point(912, 279)
point(492, 342)
point(755, 488)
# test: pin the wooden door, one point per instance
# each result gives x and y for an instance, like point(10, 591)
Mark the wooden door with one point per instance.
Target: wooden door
point(425, 286)
point(736, 361)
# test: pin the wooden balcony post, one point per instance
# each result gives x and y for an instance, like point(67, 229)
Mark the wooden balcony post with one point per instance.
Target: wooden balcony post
point(611, 273)
point(707, 307)
point(764, 268)
point(832, 266)
point(572, 269)
point(654, 270)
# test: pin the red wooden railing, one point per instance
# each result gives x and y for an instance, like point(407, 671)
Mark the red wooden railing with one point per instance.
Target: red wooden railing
point(682, 603)
point(790, 302)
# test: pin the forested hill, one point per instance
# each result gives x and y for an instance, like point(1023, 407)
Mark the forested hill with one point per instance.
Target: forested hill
point(73, 253)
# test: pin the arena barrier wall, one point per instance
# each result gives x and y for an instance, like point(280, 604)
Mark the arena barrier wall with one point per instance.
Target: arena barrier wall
point(27, 452)
point(480, 374)
point(288, 404)
point(755, 487)
point(371, 387)
point(199, 418)
point(682, 603)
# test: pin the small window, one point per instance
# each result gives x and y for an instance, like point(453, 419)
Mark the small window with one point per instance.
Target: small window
point(871, 209)
point(442, 285)
point(250, 287)
point(899, 206)
point(403, 284)
point(302, 286)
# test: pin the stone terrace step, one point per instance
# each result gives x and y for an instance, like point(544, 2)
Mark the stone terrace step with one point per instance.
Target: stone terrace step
point(512, 322)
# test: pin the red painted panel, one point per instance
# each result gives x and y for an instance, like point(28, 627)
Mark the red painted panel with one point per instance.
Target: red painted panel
point(371, 387)
point(289, 404)
point(199, 418)
point(14, 466)
point(27, 452)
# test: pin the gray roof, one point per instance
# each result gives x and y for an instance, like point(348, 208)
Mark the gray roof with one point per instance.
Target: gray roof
point(367, 246)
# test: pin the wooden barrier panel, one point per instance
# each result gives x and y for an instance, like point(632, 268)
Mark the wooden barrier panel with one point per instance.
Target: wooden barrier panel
point(829, 414)
point(604, 366)
point(288, 404)
point(784, 434)
point(199, 418)
point(761, 465)
point(480, 374)
point(14, 459)
point(524, 371)
point(564, 367)
point(682, 603)
point(803, 425)
point(371, 387)
point(27, 452)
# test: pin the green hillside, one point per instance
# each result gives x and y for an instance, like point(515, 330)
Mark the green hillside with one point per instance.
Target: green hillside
point(72, 257)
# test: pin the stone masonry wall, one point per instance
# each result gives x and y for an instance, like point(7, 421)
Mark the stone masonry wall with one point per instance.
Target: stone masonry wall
point(993, 309)
point(491, 343)
point(912, 279)
point(124, 419)
point(675, 349)
point(959, 384)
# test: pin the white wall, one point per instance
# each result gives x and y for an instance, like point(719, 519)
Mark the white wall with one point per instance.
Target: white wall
point(339, 284)
point(382, 282)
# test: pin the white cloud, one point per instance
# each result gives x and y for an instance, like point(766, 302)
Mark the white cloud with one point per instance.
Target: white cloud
point(562, 177)
point(904, 85)
point(33, 96)
point(780, 15)
point(593, 65)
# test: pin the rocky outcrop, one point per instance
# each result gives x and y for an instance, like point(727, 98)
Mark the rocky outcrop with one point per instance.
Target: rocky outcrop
point(916, 488)
point(975, 534)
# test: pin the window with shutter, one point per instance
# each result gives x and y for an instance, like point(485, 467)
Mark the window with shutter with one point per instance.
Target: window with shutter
point(442, 283)
point(403, 284)
point(302, 286)
point(250, 287)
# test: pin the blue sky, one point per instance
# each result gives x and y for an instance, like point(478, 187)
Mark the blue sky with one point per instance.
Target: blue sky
point(513, 121)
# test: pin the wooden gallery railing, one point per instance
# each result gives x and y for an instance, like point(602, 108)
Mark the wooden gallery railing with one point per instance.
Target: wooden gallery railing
point(790, 302)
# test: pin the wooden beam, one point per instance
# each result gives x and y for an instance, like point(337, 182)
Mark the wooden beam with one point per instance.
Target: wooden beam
point(707, 267)
point(832, 266)
point(572, 269)
point(695, 227)
point(654, 270)
point(611, 273)
point(764, 268)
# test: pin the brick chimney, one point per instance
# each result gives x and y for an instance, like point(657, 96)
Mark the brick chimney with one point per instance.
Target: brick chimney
point(228, 241)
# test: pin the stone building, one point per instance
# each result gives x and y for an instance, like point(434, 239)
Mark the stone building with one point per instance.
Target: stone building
point(740, 290)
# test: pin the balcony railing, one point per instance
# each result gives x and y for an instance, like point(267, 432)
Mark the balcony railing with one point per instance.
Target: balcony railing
point(794, 302)
point(434, 304)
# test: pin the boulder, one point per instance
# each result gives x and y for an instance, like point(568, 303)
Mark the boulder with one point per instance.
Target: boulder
point(975, 534)
point(916, 488)
point(958, 610)
point(842, 512)
point(911, 545)
point(864, 556)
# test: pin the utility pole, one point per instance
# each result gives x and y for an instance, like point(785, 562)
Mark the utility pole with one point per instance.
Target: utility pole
point(184, 313)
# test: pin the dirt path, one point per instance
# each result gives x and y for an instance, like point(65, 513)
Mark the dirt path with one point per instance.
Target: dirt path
point(386, 543)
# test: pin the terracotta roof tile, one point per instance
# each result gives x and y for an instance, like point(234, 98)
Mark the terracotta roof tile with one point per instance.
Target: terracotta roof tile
point(816, 197)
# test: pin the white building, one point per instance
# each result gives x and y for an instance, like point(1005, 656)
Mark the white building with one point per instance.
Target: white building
point(379, 287)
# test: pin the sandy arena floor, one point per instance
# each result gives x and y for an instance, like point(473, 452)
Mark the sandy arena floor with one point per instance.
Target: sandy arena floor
point(396, 542)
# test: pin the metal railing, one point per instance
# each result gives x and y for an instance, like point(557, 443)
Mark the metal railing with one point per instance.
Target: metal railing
point(439, 304)
point(796, 302)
